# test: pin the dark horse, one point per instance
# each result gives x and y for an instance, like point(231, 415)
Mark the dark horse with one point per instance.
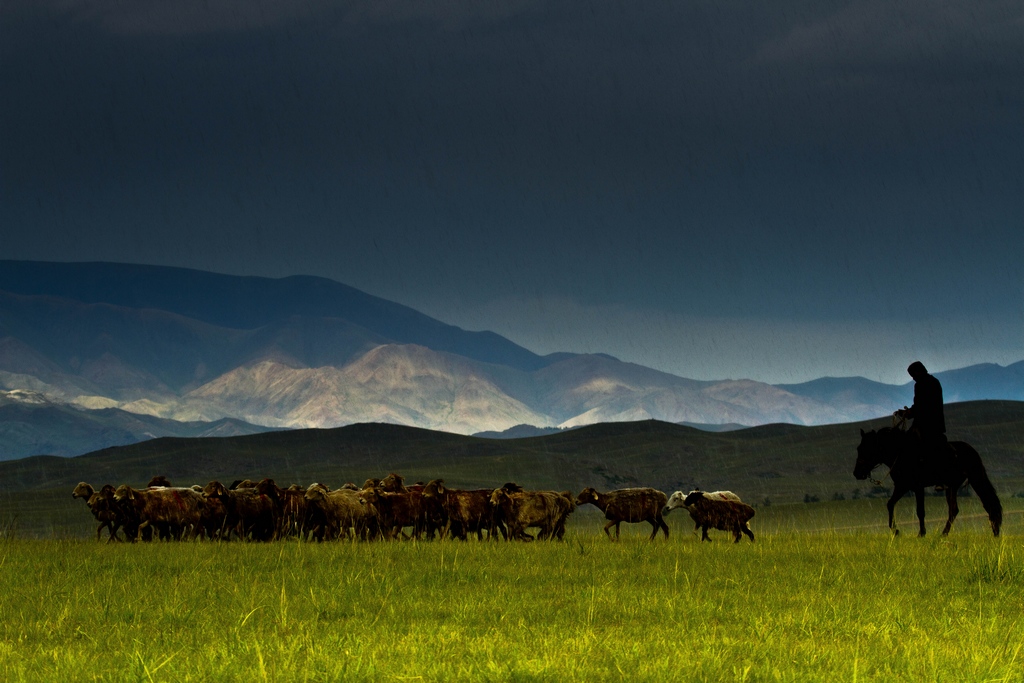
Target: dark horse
point(900, 450)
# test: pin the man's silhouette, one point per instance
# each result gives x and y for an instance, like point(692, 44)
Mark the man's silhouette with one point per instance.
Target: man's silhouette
point(929, 419)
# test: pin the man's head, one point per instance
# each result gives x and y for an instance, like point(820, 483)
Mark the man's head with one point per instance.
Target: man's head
point(917, 370)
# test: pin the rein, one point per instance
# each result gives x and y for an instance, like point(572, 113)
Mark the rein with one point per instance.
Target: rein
point(878, 482)
point(899, 423)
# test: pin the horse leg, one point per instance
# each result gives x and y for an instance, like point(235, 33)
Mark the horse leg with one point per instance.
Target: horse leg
point(919, 494)
point(952, 506)
point(897, 493)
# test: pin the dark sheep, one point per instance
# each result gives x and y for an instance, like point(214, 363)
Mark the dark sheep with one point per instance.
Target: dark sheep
point(103, 507)
point(521, 510)
point(628, 505)
point(463, 512)
point(174, 512)
point(395, 511)
point(678, 500)
point(724, 515)
point(251, 514)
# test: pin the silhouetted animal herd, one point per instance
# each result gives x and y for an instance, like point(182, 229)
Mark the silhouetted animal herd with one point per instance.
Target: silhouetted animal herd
point(386, 509)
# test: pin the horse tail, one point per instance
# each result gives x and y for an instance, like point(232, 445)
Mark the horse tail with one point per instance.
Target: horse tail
point(979, 481)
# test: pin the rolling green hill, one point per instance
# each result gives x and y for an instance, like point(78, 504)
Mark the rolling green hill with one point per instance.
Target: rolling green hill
point(771, 464)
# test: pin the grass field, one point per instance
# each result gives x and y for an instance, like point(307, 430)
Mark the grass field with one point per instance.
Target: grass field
point(824, 594)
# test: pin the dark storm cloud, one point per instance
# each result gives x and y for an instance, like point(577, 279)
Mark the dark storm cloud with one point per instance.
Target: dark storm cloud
point(801, 160)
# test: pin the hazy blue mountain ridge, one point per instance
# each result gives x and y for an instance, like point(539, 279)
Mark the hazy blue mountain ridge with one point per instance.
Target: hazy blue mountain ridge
point(31, 425)
point(187, 346)
point(984, 381)
point(248, 303)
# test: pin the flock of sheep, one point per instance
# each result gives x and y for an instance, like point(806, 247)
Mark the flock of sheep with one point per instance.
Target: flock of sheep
point(385, 509)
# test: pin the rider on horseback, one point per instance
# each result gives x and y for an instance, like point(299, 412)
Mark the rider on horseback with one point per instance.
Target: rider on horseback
point(929, 420)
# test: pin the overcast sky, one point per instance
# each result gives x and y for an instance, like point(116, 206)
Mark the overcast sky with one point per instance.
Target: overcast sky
point(776, 191)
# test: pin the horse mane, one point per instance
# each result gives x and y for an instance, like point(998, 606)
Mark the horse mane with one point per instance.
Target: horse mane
point(890, 433)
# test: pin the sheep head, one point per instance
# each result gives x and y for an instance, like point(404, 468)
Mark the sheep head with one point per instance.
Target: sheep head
point(214, 490)
point(674, 501)
point(587, 495)
point(83, 490)
point(124, 492)
point(316, 492)
point(694, 498)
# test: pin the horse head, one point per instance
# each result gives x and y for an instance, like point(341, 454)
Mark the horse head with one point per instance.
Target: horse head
point(869, 454)
point(879, 448)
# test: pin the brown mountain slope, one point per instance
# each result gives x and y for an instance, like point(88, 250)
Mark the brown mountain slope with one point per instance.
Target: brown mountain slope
point(399, 384)
point(413, 385)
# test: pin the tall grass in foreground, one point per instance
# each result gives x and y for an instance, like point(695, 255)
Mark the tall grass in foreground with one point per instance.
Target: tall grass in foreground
point(791, 607)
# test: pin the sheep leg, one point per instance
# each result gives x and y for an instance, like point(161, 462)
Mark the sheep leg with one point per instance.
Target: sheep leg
point(609, 526)
point(704, 533)
point(654, 530)
point(745, 529)
point(663, 525)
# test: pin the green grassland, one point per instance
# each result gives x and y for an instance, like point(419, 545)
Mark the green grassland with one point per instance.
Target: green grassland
point(825, 593)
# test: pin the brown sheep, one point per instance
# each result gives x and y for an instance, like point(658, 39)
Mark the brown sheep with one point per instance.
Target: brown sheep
point(267, 487)
point(393, 483)
point(628, 505)
point(435, 514)
point(464, 512)
point(339, 513)
point(251, 514)
point(395, 511)
point(213, 523)
point(525, 509)
point(103, 507)
point(560, 523)
point(158, 481)
point(724, 515)
point(173, 511)
point(294, 512)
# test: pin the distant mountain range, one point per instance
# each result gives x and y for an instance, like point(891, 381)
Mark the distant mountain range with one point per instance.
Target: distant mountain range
point(30, 424)
point(188, 346)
